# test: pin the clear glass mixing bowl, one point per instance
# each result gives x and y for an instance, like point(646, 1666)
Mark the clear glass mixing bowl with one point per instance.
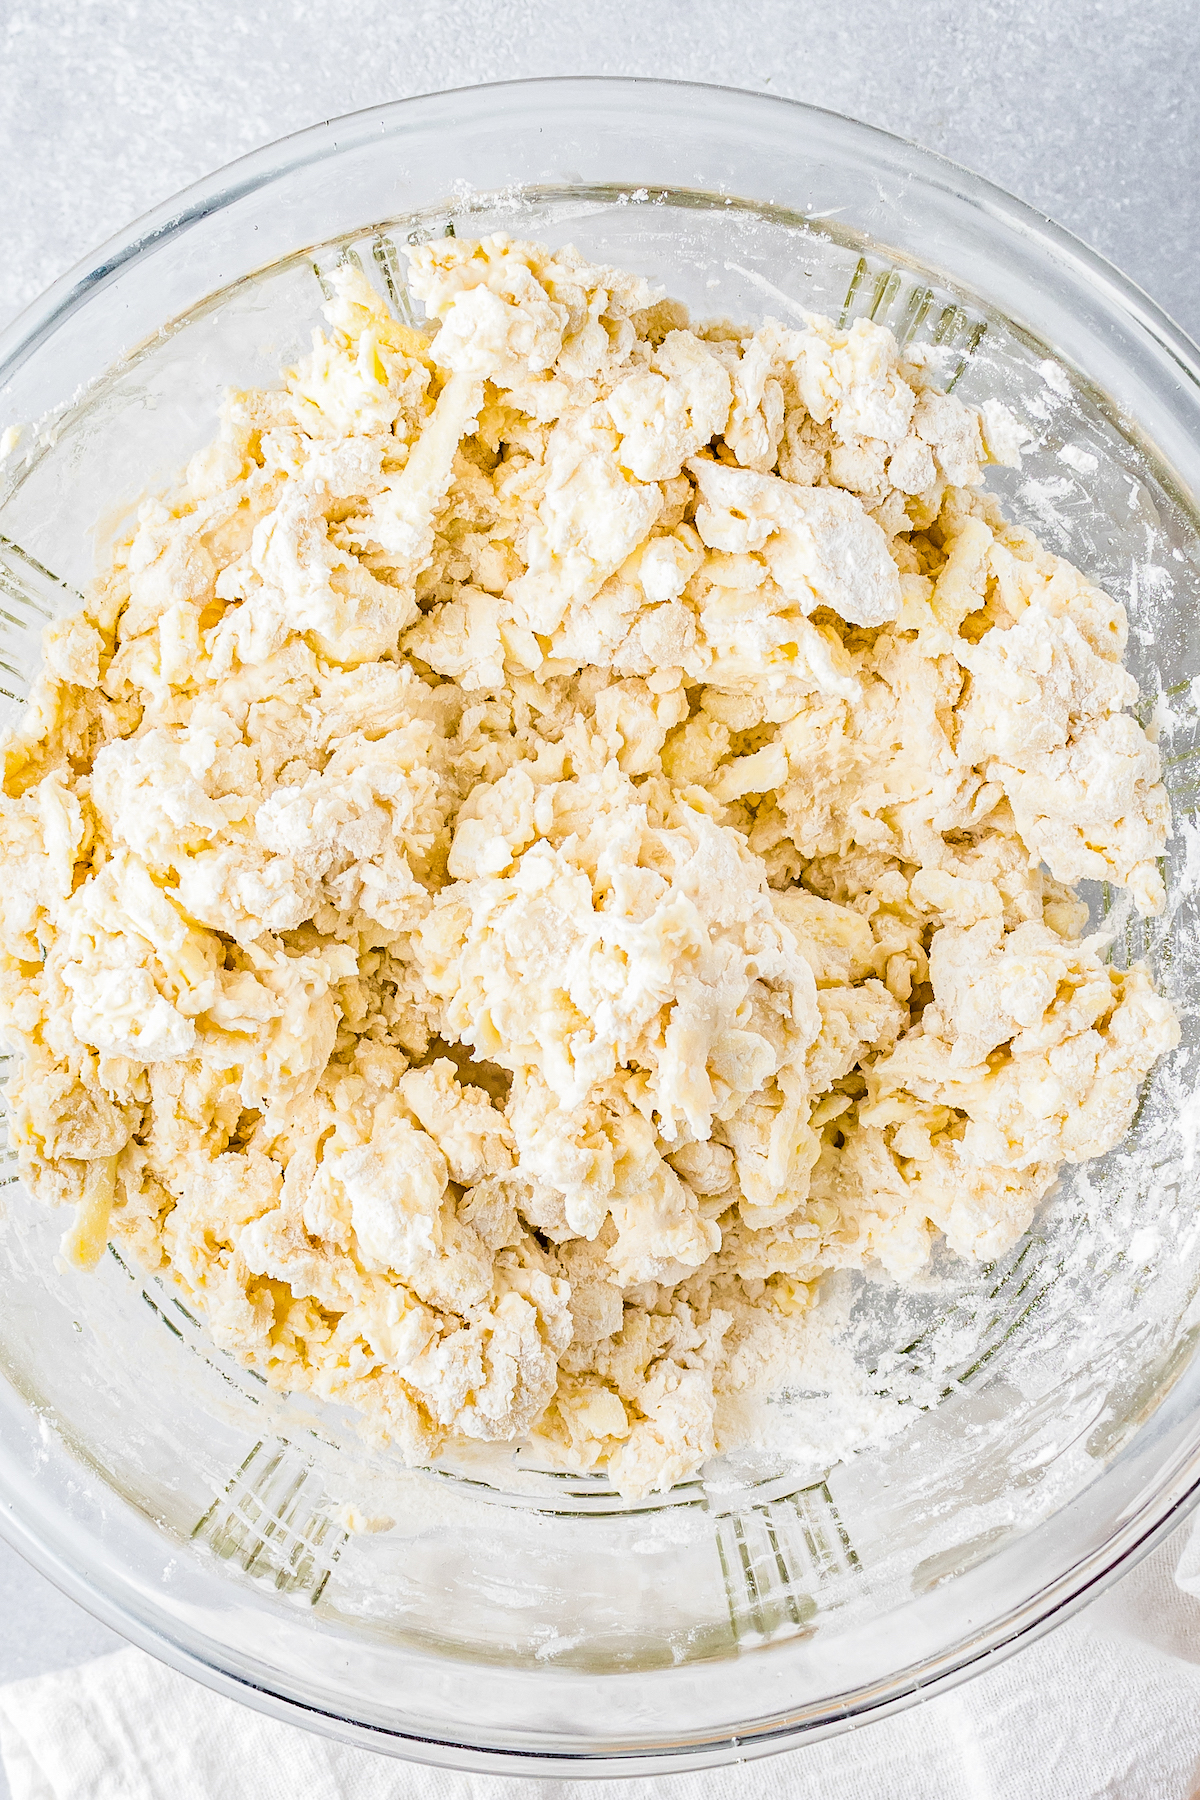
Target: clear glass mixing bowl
point(511, 1620)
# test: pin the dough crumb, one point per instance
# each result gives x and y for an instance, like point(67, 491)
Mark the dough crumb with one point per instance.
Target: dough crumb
point(556, 834)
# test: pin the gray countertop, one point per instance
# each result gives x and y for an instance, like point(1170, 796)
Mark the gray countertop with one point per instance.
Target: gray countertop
point(1085, 108)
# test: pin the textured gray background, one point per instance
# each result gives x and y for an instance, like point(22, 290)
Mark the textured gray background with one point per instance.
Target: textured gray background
point(1085, 108)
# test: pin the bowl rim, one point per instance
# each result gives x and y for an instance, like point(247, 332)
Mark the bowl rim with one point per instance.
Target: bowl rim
point(235, 180)
point(1177, 1495)
point(1054, 1605)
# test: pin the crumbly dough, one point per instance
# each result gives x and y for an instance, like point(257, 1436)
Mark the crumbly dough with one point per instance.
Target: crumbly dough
point(557, 833)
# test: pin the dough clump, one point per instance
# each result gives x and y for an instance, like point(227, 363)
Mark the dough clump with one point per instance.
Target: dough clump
point(558, 832)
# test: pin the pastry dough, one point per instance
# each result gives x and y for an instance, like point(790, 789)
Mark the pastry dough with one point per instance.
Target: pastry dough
point(554, 835)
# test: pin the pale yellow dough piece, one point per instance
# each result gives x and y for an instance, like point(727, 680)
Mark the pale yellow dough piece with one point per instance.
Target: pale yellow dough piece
point(555, 834)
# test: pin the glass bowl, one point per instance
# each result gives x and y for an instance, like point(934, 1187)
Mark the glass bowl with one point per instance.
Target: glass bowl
point(1048, 1406)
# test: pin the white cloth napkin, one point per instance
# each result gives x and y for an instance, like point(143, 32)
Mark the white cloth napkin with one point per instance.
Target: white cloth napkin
point(1105, 1708)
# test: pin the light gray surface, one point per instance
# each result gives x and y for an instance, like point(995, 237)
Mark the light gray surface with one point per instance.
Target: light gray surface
point(42, 1630)
point(1083, 107)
